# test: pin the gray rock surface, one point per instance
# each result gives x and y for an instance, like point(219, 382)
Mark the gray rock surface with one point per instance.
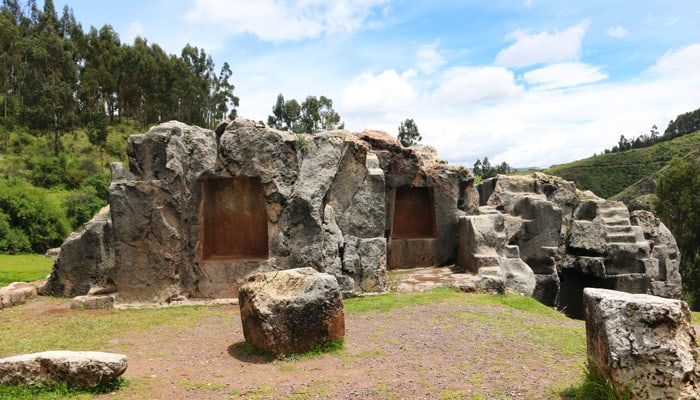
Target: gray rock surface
point(291, 311)
point(570, 240)
point(86, 259)
point(84, 369)
point(642, 343)
point(16, 293)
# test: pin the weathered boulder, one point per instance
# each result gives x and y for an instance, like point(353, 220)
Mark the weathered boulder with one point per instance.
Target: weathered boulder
point(85, 259)
point(291, 311)
point(642, 343)
point(16, 293)
point(83, 369)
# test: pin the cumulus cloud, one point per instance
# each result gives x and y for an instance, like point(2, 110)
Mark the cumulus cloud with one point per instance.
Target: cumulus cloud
point(543, 47)
point(284, 20)
point(617, 31)
point(429, 58)
point(461, 85)
point(563, 75)
point(683, 61)
point(534, 127)
point(375, 95)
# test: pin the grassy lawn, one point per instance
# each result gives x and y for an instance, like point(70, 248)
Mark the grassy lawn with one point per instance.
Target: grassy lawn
point(516, 318)
point(23, 268)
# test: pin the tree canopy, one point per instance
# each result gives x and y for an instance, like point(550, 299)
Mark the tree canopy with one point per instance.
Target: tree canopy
point(678, 205)
point(54, 76)
point(408, 133)
point(311, 116)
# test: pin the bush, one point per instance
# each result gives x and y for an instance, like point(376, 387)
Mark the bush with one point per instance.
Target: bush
point(81, 206)
point(32, 218)
point(12, 240)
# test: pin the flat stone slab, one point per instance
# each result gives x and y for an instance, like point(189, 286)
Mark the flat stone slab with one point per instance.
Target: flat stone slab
point(423, 279)
point(16, 293)
point(83, 369)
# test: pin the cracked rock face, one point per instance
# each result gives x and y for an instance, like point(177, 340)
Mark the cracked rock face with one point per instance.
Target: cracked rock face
point(197, 211)
point(644, 344)
point(291, 311)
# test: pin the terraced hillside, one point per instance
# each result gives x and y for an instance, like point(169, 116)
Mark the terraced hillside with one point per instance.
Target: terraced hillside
point(609, 174)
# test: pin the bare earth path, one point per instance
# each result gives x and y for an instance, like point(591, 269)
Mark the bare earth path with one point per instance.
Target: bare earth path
point(454, 349)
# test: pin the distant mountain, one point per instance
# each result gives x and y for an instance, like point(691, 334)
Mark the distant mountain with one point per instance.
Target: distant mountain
point(629, 174)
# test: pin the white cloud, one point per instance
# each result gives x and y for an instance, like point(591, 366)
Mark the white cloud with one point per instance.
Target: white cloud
point(461, 85)
point(429, 58)
point(135, 29)
point(564, 75)
point(376, 95)
point(543, 47)
point(542, 127)
point(284, 20)
point(617, 31)
point(683, 61)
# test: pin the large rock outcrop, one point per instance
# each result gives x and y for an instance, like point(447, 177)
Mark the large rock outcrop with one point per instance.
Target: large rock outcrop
point(83, 369)
point(291, 311)
point(644, 345)
point(199, 210)
point(569, 239)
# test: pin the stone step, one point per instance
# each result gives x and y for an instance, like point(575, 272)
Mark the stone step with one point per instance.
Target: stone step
point(485, 261)
point(490, 271)
point(616, 221)
point(623, 238)
point(618, 228)
point(613, 213)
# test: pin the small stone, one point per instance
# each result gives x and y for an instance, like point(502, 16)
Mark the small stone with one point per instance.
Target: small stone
point(291, 311)
point(83, 369)
point(92, 302)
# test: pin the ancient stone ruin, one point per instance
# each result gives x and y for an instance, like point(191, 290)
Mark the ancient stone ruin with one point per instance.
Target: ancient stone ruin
point(197, 211)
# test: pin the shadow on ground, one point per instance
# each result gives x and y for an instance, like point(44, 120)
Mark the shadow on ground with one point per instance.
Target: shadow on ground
point(245, 352)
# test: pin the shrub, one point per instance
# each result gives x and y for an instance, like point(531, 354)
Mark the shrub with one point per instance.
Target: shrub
point(31, 216)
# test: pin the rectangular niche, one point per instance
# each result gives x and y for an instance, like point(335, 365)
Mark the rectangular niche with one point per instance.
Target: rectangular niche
point(414, 213)
point(234, 219)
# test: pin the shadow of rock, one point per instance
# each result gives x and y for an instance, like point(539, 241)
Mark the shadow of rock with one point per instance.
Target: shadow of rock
point(245, 352)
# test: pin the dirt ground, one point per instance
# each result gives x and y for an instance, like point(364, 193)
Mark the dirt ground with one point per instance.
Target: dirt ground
point(450, 350)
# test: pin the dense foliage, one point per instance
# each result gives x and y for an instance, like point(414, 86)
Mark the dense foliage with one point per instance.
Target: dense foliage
point(609, 174)
point(408, 133)
point(28, 220)
point(55, 77)
point(312, 116)
point(484, 169)
point(678, 205)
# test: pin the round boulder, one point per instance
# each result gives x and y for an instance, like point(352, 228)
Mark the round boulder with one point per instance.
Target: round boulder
point(291, 311)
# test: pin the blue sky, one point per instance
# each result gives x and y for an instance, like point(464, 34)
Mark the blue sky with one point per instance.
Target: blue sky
point(530, 82)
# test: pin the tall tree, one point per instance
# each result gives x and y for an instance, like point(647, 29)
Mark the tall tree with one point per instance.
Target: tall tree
point(678, 205)
point(408, 133)
point(312, 116)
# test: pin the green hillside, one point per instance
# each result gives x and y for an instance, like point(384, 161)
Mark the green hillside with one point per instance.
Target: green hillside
point(609, 174)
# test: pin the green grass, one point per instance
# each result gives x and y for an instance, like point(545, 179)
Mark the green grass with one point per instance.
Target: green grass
point(594, 387)
point(609, 174)
point(87, 330)
point(57, 391)
point(23, 268)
